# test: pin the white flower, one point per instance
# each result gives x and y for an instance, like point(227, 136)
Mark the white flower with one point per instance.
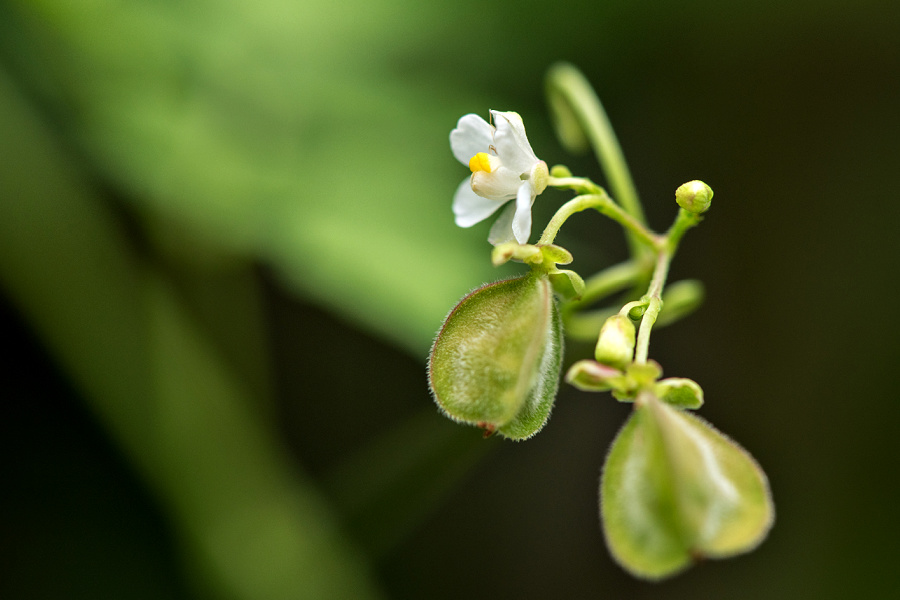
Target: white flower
point(503, 167)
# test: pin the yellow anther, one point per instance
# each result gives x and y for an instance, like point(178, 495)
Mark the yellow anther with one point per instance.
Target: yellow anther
point(481, 162)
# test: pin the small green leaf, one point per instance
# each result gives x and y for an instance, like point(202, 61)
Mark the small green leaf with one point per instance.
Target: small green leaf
point(556, 254)
point(567, 284)
point(680, 392)
point(591, 376)
point(674, 490)
point(507, 251)
point(496, 361)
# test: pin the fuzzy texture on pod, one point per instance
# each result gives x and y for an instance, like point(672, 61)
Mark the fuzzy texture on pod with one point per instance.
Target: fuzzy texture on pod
point(496, 361)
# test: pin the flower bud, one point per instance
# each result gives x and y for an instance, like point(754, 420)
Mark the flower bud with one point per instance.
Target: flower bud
point(694, 196)
point(675, 490)
point(495, 362)
point(560, 171)
point(615, 346)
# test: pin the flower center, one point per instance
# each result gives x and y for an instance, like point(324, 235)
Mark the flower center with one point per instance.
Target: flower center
point(483, 162)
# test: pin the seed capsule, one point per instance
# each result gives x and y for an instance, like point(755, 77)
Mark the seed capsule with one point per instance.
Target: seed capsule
point(674, 490)
point(496, 360)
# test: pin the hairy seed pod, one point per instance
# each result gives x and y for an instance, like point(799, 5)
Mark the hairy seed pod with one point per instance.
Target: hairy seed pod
point(496, 361)
point(674, 490)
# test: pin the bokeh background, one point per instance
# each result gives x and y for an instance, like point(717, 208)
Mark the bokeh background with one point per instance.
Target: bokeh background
point(226, 242)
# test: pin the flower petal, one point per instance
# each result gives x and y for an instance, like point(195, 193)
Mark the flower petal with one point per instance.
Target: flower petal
point(470, 208)
point(501, 231)
point(502, 184)
point(512, 143)
point(471, 136)
point(521, 224)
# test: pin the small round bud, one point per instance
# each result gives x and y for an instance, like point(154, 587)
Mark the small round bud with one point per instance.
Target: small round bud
point(560, 171)
point(615, 346)
point(694, 196)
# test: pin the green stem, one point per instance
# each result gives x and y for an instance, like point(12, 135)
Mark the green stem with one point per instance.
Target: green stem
point(567, 84)
point(605, 205)
point(683, 222)
point(654, 305)
point(581, 185)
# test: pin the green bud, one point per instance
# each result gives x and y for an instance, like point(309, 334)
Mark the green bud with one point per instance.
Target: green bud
point(615, 346)
point(560, 171)
point(674, 490)
point(694, 196)
point(637, 312)
point(496, 361)
point(680, 392)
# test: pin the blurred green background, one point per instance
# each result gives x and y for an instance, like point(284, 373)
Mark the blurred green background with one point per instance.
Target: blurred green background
point(226, 243)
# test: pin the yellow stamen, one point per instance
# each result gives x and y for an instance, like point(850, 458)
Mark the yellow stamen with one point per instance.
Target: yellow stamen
point(480, 162)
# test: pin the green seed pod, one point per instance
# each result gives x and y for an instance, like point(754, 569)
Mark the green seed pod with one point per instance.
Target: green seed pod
point(674, 490)
point(496, 361)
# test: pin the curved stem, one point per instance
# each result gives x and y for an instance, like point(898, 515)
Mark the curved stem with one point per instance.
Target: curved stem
point(605, 205)
point(654, 305)
point(582, 185)
point(683, 222)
